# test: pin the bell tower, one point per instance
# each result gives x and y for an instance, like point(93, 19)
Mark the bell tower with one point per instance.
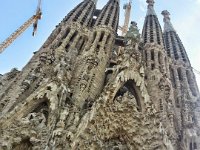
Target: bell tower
point(89, 78)
point(155, 58)
point(186, 93)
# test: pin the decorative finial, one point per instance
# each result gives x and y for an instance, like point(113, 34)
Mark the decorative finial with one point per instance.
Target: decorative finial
point(168, 26)
point(95, 1)
point(166, 15)
point(150, 2)
point(150, 10)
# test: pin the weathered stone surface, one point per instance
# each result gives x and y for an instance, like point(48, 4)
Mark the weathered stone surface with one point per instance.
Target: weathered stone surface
point(80, 91)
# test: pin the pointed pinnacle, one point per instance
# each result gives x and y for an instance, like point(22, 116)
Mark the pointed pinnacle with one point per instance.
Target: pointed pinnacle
point(150, 10)
point(95, 1)
point(166, 14)
point(168, 25)
point(150, 2)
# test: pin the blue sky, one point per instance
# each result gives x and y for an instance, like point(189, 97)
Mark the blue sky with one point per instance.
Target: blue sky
point(185, 17)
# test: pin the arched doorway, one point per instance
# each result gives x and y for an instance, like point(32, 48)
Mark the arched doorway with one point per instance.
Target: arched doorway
point(130, 86)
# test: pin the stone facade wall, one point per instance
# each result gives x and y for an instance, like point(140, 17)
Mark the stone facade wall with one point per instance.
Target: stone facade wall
point(81, 91)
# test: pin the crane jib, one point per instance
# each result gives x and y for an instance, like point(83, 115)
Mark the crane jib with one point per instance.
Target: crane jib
point(33, 20)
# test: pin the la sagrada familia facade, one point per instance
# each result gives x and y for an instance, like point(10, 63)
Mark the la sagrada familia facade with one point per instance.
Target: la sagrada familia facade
point(88, 88)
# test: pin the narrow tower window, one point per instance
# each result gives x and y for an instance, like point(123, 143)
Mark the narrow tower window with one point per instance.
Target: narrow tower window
point(65, 34)
point(102, 35)
point(152, 66)
point(146, 56)
point(191, 83)
point(161, 105)
point(157, 31)
point(195, 146)
point(174, 46)
point(94, 36)
point(178, 102)
point(83, 45)
point(172, 77)
point(145, 31)
point(159, 57)
point(166, 35)
point(152, 55)
point(73, 36)
point(166, 66)
point(108, 39)
point(191, 148)
point(151, 28)
point(180, 76)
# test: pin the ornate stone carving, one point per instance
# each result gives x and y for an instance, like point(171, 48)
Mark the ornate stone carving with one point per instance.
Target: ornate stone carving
point(61, 101)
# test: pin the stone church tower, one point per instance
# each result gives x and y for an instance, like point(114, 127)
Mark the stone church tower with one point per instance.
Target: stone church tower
point(88, 88)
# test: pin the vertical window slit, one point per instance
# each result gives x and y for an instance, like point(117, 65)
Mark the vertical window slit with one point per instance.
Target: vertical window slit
point(180, 76)
point(173, 79)
point(191, 83)
point(152, 55)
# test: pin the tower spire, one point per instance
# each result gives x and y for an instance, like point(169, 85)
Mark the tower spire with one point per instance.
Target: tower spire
point(173, 44)
point(109, 15)
point(152, 32)
point(168, 25)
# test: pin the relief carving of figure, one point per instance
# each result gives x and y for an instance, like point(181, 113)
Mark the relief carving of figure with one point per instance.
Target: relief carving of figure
point(47, 58)
point(92, 62)
point(83, 86)
point(162, 84)
point(37, 119)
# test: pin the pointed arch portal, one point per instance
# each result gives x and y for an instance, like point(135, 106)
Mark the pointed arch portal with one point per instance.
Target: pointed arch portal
point(130, 86)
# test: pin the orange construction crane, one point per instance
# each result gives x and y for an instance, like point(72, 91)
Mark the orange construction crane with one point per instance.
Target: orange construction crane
point(127, 7)
point(33, 20)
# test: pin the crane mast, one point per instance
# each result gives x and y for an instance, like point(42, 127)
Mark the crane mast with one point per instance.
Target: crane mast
point(127, 7)
point(33, 20)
